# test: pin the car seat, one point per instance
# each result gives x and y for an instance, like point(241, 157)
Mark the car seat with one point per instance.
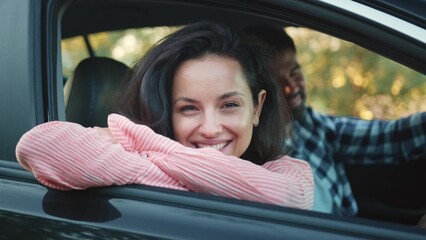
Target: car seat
point(92, 90)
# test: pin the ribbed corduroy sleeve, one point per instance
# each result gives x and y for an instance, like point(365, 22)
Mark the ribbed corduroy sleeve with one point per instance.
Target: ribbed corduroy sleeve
point(65, 155)
point(287, 181)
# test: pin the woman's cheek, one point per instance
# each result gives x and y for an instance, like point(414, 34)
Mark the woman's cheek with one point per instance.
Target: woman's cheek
point(239, 124)
point(183, 127)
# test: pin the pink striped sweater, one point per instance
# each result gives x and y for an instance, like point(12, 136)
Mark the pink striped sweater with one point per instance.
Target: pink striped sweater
point(65, 155)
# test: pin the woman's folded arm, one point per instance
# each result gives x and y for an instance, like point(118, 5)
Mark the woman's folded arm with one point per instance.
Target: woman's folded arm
point(286, 181)
point(65, 155)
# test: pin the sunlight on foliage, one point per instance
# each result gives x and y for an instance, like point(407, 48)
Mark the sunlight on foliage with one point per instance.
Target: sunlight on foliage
point(345, 79)
point(125, 46)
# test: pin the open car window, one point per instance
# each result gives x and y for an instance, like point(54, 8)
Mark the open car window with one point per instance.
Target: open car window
point(343, 78)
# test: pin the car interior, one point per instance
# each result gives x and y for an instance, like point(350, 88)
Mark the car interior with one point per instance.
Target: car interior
point(386, 193)
point(90, 92)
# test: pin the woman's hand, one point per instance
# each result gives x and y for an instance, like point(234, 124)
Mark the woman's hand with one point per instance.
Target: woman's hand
point(137, 137)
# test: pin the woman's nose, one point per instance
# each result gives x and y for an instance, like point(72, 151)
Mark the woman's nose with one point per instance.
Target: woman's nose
point(210, 126)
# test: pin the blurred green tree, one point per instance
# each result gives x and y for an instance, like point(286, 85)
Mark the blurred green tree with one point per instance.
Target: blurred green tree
point(345, 79)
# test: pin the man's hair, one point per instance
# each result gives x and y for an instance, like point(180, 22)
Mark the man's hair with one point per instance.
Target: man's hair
point(271, 35)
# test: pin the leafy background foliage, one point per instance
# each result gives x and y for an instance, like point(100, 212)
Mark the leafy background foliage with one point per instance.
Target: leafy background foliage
point(345, 79)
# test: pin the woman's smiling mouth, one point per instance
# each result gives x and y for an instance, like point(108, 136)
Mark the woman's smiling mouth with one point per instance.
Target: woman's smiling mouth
point(219, 146)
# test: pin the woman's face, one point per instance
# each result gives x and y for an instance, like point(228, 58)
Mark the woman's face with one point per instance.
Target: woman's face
point(212, 105)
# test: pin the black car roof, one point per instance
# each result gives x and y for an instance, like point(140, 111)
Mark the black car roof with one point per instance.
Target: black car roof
point(413, 11)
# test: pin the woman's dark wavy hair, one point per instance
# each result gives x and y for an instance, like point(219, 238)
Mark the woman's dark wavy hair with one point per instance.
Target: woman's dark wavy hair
point(147, 98)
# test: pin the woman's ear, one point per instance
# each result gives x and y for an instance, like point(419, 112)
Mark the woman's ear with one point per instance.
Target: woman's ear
point(261, 96)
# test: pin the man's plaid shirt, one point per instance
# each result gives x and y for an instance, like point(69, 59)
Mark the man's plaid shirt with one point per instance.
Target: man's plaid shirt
point(329, 142)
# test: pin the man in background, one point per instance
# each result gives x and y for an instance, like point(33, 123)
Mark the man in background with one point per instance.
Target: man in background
point(329, 142)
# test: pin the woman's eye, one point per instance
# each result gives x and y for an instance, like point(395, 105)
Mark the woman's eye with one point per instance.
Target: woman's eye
point(230, 105)
point(187, 108)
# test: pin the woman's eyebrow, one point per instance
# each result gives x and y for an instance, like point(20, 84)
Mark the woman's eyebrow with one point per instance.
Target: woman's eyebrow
point(231, 94)
point(185, 99)
point(221, 97)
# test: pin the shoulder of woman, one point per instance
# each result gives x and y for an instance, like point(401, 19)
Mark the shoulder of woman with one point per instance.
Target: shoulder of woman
point(285, 161)
point(288, 158)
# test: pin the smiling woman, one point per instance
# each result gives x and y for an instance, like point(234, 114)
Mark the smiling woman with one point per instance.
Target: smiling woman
point(229, 137)
point(213, 106)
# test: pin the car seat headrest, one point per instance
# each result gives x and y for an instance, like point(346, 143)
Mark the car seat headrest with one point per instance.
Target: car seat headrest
point(92, 90)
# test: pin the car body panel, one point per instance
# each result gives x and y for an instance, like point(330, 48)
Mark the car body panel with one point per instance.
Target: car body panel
point(19, 112)
point(32, 211)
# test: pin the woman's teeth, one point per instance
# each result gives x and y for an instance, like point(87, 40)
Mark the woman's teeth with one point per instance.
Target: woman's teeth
point(216, 146)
